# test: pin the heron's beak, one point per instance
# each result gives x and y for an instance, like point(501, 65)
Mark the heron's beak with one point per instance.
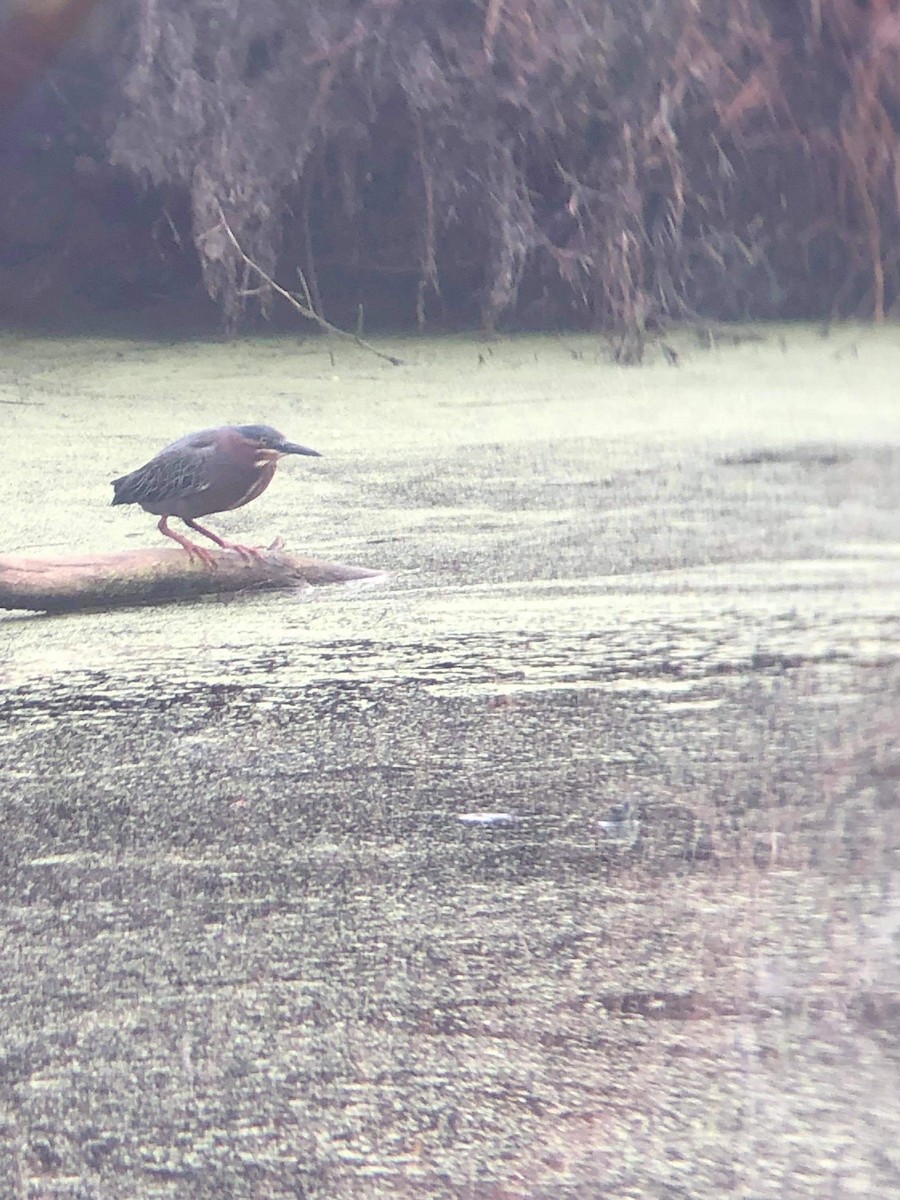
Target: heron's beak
point(293, 448)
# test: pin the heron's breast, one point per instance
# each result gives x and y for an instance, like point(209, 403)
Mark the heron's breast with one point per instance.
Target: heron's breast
point(261, 478)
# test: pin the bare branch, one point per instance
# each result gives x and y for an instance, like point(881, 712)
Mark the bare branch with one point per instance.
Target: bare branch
point(303, 307)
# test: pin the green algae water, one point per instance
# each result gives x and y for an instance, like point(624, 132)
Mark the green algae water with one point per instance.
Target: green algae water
point(560, 864)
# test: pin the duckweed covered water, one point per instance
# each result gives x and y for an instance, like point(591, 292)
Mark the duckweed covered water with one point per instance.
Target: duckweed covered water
point(563, 864)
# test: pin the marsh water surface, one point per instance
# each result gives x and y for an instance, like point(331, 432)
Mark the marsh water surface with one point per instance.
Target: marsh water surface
point(562, 863)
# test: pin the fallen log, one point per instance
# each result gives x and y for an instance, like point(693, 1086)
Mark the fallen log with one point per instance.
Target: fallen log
point(77, 582)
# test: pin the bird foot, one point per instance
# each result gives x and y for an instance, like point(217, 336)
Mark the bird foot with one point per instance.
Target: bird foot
point(206, 557)
point(249, 554)
point(192, 549)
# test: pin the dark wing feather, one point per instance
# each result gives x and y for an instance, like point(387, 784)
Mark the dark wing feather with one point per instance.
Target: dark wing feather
point(177, 472)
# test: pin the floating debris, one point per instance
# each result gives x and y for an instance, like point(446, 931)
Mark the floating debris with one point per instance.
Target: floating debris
point(621, 824)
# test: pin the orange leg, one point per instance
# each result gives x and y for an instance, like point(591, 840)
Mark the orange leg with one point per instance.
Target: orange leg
point(194, 551)
point(244, 551)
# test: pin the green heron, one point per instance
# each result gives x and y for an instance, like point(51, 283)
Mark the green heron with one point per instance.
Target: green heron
point(207, 472)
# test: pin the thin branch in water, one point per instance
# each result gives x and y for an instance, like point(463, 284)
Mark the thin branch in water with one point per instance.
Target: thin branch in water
point(303, 307)
point(307, 295)
point(314, 294)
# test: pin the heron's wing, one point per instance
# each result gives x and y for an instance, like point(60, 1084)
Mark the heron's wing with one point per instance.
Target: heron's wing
point(178, 471)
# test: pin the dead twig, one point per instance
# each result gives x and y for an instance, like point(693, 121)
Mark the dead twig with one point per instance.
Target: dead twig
point(428, 277)
point(305, 306)
point(310, 273)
